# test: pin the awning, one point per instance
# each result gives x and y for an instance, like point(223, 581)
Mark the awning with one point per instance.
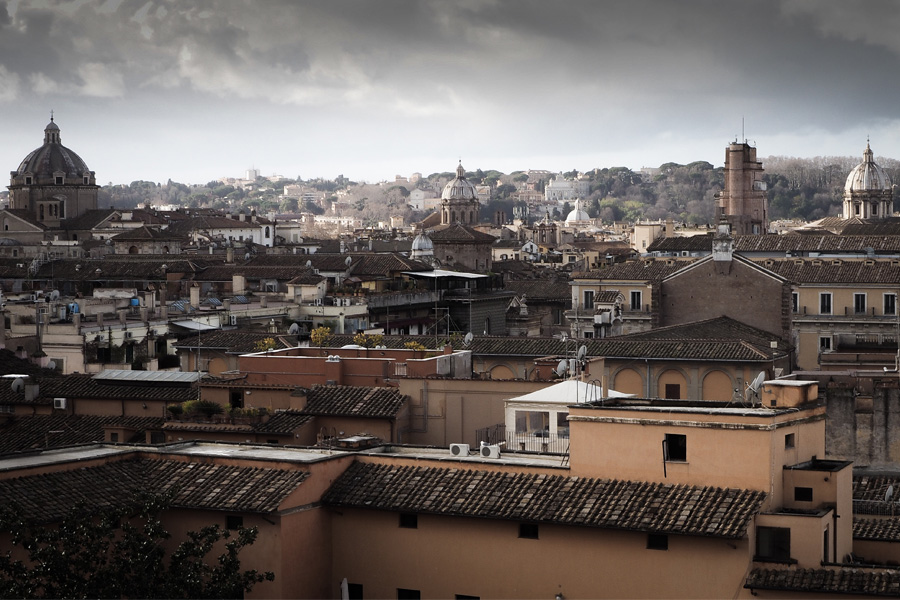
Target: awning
point(442, 273)
point(194, 325)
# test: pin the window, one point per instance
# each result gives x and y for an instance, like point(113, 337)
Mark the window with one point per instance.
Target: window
point(773, 543)
point(803, 494)
point(859, 304)
point(405, 594)
point(657, 541)
point(825, 343)
point(466, 597)
point(234, 522)
point(675, 447)
point(528, 531)
point(267, 232)
point(59, 180)
point(789, 441)
point(588, 334)
point(114, 437)
point(409, 520)
point(354, 591)
point(673, 391)
point(635, 300)
point(588, 299)
point(28, 181)
point(795, 302)
point(825, 303)
point(890, 304)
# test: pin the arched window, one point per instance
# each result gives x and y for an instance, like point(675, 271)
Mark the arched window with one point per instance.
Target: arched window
point(41, 212)
point(487, 326)
point(267, 232)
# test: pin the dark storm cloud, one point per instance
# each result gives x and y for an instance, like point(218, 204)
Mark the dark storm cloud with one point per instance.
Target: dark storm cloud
point(576, 77)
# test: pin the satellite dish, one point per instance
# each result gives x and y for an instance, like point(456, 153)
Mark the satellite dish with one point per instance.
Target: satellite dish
point(54, 295)
point(18, 385)
point(468, 339)
point(309, 263)
point(247, 256)
point(51, 365)
point(348, 261)
point(561, 367)
point(889, 493)
point(753, 386)
point(582, 352)
point(294, 329)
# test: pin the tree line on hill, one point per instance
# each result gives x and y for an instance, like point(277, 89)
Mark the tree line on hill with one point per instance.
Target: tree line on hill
point(798, 188)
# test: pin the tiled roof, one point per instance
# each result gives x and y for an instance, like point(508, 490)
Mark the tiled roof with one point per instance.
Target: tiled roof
point(207, 486)
point(827, 581)
point(877, 227)
point(52, 431)
point(794, 242)
point(577, 501)
point(354, 401)
point(10, 269)
point(25, 215)
point(874, 487)
point(361, 263)
point(460, 234)
point(85, 386)
point(118, 267)
point(144, 234)
point(691, 243)
point(209, 222)
point(881, 530)
point(226, 272)
point(285, 421)
point(718, 328)
point(89, 219)
point(535, 289)
point(812, 271)
point(636, 270)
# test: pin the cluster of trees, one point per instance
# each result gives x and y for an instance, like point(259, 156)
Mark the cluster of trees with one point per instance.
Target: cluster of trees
point(798, 188)
point(118, 553)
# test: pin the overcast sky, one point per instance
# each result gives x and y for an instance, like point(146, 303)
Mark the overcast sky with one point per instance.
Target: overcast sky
point(200, 89)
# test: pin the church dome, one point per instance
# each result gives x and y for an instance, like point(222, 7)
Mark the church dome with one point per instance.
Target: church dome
point(867, 176)
point(53, 160)
point(577, 215)
point(422, 243)
point(459, 188)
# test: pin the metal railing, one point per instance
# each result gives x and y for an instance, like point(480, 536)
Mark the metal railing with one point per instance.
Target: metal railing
point(538, 441)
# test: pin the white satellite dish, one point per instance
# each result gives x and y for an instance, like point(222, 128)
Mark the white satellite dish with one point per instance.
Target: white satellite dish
point(348, 261)
point(51, 365)
point(753, 386)
point(309, 263)
point(582, 352)
point(18, 385)
point(889, 493)
point(54, 295)
point(247, 256)
point(562, 367)
point(468, 339)
point(294, 329)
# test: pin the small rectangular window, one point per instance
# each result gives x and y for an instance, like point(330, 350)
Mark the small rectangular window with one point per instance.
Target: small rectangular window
point(466, 597)
point(409, 520)
point(354, 591)
point(803, 494)
point(890, 304)
point(773, 543)
point(114, 437)
point(673, 391)
point(825, 303)
point(859, 304)
point(405, 594)
point(588, 299)
point(676, 447)
point(657, 541)
point(635, 301)
point(789, 440)
point(528, 531)
point(795, 302)
point(825, 342)
point(59, 180)
point(234, 522)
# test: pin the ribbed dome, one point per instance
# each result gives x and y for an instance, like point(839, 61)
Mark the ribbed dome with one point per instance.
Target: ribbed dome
point(867, 176)
point(577, 215)
point(459, 188)
point(422, 243)
point(53, 158)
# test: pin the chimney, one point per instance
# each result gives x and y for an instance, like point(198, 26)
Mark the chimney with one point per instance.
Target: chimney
point(238, 284)
point(253, 216)
point(195, 296)
point(100, 320)
point(123, 315)
point(670, 228)
point(229, 255)
point(226, 304)
point(164, 312)
point(264, 302)
point(242, 216)
point(32, 390)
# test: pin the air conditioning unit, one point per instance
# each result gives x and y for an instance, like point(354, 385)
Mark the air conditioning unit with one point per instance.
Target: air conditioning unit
point(59, 403)
point(490, 451)
point(128, 335)
point(318, 302)
point(459, 449)
point(234, 319)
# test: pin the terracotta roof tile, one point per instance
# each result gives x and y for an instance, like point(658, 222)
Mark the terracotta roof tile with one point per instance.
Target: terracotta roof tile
point(208, 486)
point(579, 501)
point(881, 530)
point(53, 431)
point(354, 401)
point(830, 581)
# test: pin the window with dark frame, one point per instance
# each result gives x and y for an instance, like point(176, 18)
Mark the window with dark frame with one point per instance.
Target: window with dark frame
point(676, 447)
point(773, 543)
point(673, 391)
point(803, 494)
point(795, 302)
point(635, 301)
point(528, 531)
point(859, 304)
point(657, 541)
point(825, 303)
point(234, 522)
point(890, 304)
point(409, 520)
point(355, 591)
point(789, 440)
point(406, 594)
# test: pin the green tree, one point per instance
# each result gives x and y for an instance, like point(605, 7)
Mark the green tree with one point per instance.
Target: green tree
point(117, 552)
